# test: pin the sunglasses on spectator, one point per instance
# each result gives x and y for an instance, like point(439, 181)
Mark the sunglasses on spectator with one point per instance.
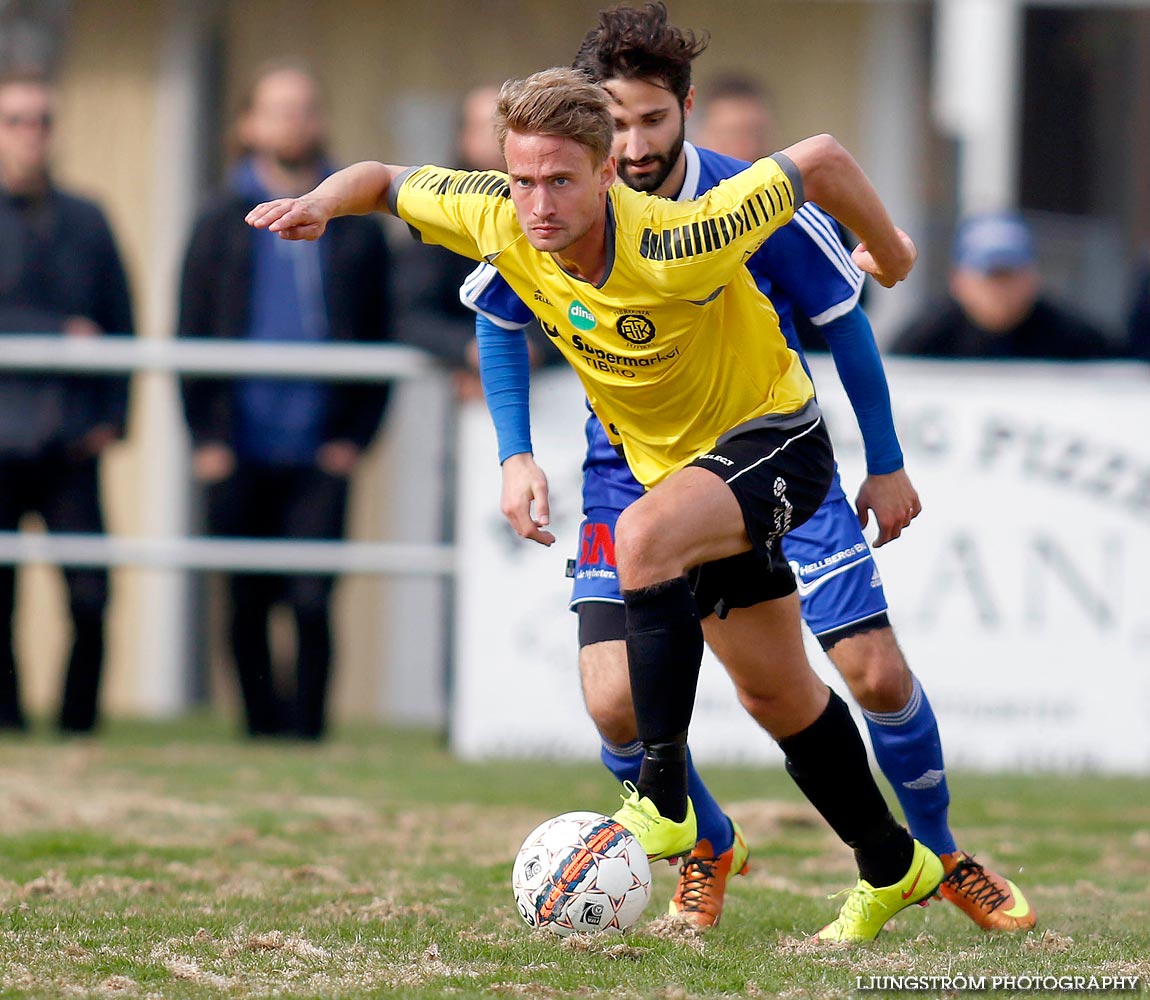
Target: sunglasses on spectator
point(26, 121)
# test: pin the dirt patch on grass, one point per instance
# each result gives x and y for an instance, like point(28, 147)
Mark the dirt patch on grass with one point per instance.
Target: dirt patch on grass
point(763, 818)
point(675, 928)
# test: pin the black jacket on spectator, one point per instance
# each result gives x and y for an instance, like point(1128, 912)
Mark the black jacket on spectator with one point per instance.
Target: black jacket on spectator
point(215, 301)
point(1049, 333)
point(1138, 330)
point(58, 260)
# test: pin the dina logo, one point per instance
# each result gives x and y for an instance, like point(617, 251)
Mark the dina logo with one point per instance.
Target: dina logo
point(592, 914)
point(581, 317)
point(635, 329)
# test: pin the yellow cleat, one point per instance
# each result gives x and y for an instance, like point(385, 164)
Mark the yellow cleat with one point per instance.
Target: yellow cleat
point(867, 908)
point(662, 839)
point(703, 880)
point(991, 901)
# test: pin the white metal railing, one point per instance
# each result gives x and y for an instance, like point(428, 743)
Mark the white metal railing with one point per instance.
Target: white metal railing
point(229, 554)
point(221, 358)
point(211, 356)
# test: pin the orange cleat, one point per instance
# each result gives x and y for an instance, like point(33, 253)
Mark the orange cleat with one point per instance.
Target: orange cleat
point(991, 901)
point(703, 880)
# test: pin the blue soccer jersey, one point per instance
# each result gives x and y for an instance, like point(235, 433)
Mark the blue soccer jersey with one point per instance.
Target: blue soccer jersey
point(805, 266)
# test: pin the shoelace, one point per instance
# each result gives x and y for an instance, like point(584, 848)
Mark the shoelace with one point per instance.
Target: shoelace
point(858, 902)
point(970, 879)
point(696, 874)
point(637, 820)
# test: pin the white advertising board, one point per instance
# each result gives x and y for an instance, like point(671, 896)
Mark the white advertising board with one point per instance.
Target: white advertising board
point(1019, 595)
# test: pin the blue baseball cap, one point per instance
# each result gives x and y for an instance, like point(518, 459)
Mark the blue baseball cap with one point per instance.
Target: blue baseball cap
point(994, 242)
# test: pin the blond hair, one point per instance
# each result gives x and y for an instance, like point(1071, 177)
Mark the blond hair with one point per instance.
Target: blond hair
point(560, 102)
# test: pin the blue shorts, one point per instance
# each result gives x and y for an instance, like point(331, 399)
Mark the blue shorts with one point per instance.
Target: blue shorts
point(593, 569)
point(834, 568)
point(837, 578)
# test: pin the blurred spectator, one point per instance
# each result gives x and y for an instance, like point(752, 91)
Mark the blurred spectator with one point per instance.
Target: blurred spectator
point(276, 454)
point(996, 308)
point(60, 273)
point(433, 317)
point(737, 119)
point(1138, 327)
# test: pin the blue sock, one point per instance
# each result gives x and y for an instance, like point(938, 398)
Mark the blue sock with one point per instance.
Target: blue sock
point(624, 761)
point(909, 752)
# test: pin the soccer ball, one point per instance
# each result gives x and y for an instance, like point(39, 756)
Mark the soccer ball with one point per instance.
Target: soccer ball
point(581, 873)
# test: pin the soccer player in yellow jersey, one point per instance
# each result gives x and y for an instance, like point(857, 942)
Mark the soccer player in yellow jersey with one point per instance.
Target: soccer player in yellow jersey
point(649, 301)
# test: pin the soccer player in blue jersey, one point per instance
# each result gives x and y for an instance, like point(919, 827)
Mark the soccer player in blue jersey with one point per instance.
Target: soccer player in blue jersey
point(683, 359)
point(645, 64)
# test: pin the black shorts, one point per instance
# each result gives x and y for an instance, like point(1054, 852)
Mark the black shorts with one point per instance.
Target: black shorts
point(779, 467)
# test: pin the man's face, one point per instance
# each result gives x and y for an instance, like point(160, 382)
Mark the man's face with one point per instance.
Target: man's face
point(285, 121)
point(996, 301)
point(558, 191)
point(650, 127)
point(478, 146)
point(25, 132)
point(738, 126)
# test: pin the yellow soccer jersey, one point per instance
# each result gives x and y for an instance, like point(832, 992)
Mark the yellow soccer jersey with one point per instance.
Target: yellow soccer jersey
point(676, 344)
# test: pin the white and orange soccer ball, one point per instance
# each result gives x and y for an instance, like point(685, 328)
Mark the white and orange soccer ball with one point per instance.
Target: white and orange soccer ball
point(581, 873)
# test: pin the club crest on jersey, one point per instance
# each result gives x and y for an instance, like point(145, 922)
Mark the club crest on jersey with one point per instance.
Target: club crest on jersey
point(635, 329)
point(580, 316)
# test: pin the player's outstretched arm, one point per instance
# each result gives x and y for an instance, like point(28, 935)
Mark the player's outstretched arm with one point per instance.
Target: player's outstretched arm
point(893, 499)
point(355, 190)
point(833, 180)
point(525, 501)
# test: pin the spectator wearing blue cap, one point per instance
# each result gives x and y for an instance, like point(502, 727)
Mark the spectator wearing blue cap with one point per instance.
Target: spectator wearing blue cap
point(996, 308)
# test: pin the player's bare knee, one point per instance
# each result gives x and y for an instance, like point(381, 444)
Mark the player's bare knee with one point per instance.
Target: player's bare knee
point(768, 709)
point(607, 690)
point(874, 670)
point(610, 709)
point(643, 551)
point(616, 723)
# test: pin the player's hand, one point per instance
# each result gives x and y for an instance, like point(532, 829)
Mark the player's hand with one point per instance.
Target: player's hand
point(890, 267)
point(292, 218)
point(894, 501)
point(524, 502)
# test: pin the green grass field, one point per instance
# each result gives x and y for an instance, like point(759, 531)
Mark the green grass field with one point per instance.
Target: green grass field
point(175, 861)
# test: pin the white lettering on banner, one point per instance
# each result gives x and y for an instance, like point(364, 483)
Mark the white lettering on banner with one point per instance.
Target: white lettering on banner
point(1018, 595)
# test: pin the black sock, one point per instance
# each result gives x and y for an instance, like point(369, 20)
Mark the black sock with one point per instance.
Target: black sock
point(664, 651)
point(828, 761)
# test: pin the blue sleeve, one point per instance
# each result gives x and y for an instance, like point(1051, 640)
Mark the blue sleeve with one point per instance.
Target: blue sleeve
point(505, 370)
point(851, 341)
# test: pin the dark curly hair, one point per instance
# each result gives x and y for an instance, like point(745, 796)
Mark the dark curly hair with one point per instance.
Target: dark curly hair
point(637, 43)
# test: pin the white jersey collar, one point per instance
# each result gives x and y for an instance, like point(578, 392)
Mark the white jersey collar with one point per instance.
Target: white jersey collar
point(690, 188)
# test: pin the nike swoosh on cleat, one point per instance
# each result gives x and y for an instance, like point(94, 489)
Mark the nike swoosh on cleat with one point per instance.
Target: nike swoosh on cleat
point(909, 892)
point(1021, 907)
